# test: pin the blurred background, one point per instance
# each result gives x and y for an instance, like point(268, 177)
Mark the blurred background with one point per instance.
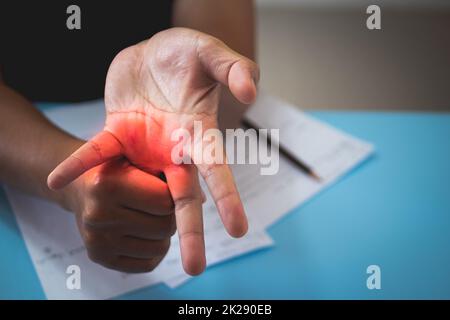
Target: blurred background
point(318, 54)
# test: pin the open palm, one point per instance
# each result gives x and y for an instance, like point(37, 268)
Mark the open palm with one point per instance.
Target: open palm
point(152, 89)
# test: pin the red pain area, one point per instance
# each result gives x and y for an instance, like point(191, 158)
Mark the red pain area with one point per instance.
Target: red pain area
point(144, 139)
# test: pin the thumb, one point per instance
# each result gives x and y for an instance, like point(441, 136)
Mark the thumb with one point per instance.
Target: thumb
point(229, 68)
point(101, 148)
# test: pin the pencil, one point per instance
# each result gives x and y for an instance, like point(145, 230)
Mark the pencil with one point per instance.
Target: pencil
point(304, 167)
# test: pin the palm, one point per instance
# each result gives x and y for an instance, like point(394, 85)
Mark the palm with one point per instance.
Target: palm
point(142, 109)
point(152, 89)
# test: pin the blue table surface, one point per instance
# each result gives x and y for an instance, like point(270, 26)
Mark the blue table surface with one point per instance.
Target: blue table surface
point(392, 211)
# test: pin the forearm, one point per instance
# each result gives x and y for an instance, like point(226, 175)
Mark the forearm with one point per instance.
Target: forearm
point(30, 145)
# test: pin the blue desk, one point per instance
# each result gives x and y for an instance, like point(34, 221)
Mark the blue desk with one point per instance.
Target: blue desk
point(392, 211)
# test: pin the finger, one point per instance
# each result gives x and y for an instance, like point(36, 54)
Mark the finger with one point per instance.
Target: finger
point(186, 193)
point(214, 169)
point(101, 148)
point(220, 182)
point(228, 67)
point(142, 248)
point(134, 265)
point(143, 225)
point(142, 191)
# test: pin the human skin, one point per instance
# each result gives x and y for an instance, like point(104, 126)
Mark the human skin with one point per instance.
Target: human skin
point(125, 216)
point(152, 89)
point(111, 208)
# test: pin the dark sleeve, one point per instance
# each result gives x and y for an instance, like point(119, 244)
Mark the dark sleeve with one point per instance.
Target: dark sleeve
point(45, 61)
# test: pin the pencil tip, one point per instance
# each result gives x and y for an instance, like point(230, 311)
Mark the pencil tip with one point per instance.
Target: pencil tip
point(315, 176)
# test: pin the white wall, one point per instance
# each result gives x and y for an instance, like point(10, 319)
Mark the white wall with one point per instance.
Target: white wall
point(321, 59)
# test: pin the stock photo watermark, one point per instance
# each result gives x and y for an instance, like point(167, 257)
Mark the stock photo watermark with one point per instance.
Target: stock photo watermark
point(73, 21)
point(374, 279)
point(73, 281)
point(248, 146)
point(373, 22)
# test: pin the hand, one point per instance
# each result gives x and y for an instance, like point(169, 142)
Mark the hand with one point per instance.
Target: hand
point(125, 216)
point(153, 88)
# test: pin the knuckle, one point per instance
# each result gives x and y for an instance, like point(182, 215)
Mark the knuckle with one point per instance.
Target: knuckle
point(173, 227)
point(94, 256)
point(154, 249)
point(210, 42)
point(91, 240)
point(93, 217)
point(150, 265)
point(101, 184)
point(162, 248)
point(98, 242)
point(207, 170)
point(166, 247)
point(183, 202)
point(170, 227)
point(103, 260)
